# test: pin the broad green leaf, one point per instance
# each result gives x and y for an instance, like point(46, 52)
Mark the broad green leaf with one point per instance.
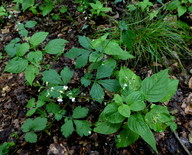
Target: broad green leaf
point(110, 85)
point(55, 91)
point(137, 124)
point(126, 138)
point(31, 103)
point(38, 38)
point(27, 125)
point(67, 128)
point(97, 92)
point(52, 108)
point(101, 43)
point(86, 79)
point(171, 89)
point(30, 73)
point(30, 112)
point(16, 65)
point(111, 114)
point(40, 103)
point(106, 69)
point(30, 24)
point(75, 52)
point(31, 137)
point(66, 75)
point(82, 60)
point(84, 42)
point(26, 4)
point(55, 46)
point(158, 118)
point(52, 77)
point(135, 100)
point(39, 124)
point(95, 57)
point(12, 47)
point(106, 128)
point(124, 110)
point(80, 112)
point(128, 78)
point(22, 49)
point(35, 57)
point(190, 9)
point(128, 38)
point(118, 99)
point(83, 127)
point(173, 5)
point(46, 7)
point(181, 10)
point(154, 87)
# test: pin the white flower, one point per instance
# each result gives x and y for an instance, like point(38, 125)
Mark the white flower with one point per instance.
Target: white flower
point(60, 100)
point(52, 88)
point(89, 132)
point(73, 99)
point(65, 87)
point(124, 86)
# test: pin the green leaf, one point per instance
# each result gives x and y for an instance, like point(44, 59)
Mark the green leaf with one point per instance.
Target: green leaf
point(55, 46)
point(31, 137)
point(16, 65)
point(52, 77)
point(27, 125)
point(39, 123)
point(84, 42)
point(173, 5)
point(52, 108)
point(190, 9)
point(158, 118)
point(40, 103)
point(111, 114)
point(135, 100)
point(27, 4)
point(12, 47)
point(181, 10)
point(83, 127)
point(118, 99)
point(22, 49)
point(97, 92)
point(95, 57)
point(110, 85)
point(126, 138)
point(75, 52)
point(35, 57)
point(80, 112)
point(31, 112)
point(137, 124)
point(154, 87)
point(66, 75)
point(67, 128)
point(30, 73)
point(59, 115)
point(38, 38)
point(128, 78)
point(46, 7)
point(31, 103)
point(30, 24)
point(106, 69)
point(171, 89)
point(124, 110)
point(128, 38)
point(86, 79)
point(82, 60)
point(106, 128)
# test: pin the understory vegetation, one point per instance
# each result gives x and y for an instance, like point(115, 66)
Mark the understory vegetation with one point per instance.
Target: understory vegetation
point(102, 68)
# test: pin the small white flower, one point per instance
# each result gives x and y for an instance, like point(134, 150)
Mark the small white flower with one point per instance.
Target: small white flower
point(61, 91)
point(48, 94)
point(65, 87)
point(52, 88)
point(124, 86)
point(60, 100)
point(89, 132)
point(73, 99)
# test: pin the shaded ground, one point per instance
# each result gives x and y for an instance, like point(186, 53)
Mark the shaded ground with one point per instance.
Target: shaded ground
point(14, 95)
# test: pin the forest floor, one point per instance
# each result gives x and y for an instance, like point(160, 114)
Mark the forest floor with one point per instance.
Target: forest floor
point(14, 95)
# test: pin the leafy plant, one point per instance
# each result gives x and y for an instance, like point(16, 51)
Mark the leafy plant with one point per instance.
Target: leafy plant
point(129, 109)
point(3, 12)
point(25, 4)
point(25, 56)
point(4, 148)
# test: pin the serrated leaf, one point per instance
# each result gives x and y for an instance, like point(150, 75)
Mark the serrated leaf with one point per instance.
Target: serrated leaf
point(38, 38)
point(75, 52)
point(80, 112)
point(126, 138)
point(30, 24)
point(52, 108)
point(66, 75)
point(67, 128)
point(39, 123)
point(12, 47)
point(30, 112)
point(154, 87)
point(40, 103)
point(111, 114)
point(135, 100)
point(181, 10)
point(84, 42)
point(31, 137)
point(52, 77)
point(171, 89)
point(59, 115)
point(55, 46)
point(22, 49)
point(16, 65)
point(106, 69)
point(137, 124)
point(46, 8)
point(82, 127)
point(27, 4)
point(106, 128)
point(31, 103)
point(95, 57)
point(110, 85)
point(128, 78)
point(27, 125)
point(124, 110)
point(82, 60)
point(97, 92)
point(30, 73)
point(35, 57)
point(86, 79)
